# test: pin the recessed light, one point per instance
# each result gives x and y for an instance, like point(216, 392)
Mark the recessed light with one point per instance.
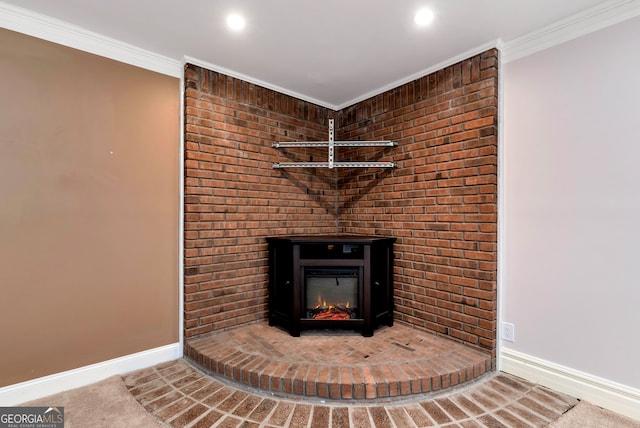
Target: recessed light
point(423, 17)
point(235, 22)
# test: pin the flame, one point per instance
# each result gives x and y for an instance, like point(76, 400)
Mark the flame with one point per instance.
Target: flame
point(323, 304)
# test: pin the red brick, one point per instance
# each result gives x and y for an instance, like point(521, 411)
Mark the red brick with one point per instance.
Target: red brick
point(445, 125)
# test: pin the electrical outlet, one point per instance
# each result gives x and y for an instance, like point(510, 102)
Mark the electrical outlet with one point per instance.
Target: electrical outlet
point(508, 332)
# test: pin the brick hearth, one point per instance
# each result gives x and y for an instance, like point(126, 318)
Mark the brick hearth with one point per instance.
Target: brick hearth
point(398, 361)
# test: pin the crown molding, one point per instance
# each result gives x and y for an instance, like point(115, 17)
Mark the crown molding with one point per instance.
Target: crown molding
point(249, 79)
point(446, 63)
point(337, 107)
point(66, 34)
point(61, 32)
point(594, 19)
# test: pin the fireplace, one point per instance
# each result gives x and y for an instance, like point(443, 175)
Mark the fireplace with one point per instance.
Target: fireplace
point(330, 282)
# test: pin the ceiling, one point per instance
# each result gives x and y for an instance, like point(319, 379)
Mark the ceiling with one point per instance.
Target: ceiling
point(332, 52)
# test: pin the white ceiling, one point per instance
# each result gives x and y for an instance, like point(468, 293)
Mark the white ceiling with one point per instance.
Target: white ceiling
point(332, 52)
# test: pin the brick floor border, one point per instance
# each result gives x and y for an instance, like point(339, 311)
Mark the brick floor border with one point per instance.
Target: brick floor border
point(183, 396)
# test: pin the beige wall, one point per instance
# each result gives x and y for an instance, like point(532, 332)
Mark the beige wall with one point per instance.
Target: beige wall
point(89, 207)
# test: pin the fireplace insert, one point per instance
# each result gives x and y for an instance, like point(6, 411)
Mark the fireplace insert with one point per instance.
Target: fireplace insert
point(332, 293)
point(330, 282)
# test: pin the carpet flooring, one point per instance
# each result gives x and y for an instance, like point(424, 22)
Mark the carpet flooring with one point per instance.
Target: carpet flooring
point(112, 403)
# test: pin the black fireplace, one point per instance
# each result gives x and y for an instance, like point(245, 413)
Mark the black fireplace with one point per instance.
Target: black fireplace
point(330, 282)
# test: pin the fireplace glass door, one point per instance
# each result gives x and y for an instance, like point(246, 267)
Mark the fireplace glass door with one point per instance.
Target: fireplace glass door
point(332, 294)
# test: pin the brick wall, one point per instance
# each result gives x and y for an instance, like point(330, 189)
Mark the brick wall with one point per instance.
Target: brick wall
point(234, 198)
point(440, 201)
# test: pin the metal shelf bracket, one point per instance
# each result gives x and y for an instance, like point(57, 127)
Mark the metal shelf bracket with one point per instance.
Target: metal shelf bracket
point(331, 144)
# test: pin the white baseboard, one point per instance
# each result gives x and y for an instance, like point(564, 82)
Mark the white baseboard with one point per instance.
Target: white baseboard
point(601, 392)
point(42, 387)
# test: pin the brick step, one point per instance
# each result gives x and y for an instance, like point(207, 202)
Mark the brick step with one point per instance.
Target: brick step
point(397, 361)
